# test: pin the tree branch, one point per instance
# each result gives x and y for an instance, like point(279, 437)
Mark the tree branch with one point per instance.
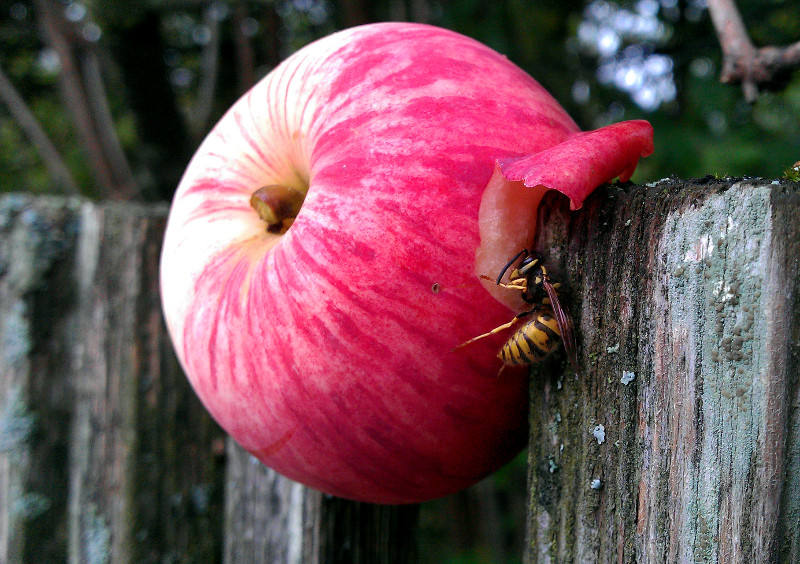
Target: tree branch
point(125, 184)
point(37, 136)
point(73, 93)
point(245, 58)
point(164, 142)
point(201, 112)
point(765, 67)
point(353, 12)
point(86, 101)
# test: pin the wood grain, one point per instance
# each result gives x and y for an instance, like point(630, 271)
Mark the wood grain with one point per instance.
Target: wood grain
point(106, 455)
point(271, 519)
point(679, 439)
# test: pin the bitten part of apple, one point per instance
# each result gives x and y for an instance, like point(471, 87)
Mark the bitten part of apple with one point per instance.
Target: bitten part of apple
point(574, 167)
point(321, 338)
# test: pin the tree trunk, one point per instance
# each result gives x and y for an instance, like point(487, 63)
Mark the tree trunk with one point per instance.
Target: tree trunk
point(106, 455)
point(680, 438)
point(165, 143)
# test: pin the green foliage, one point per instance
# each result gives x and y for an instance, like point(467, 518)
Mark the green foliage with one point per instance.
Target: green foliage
point(705, 128)
point(20, 166)
point(793, 172)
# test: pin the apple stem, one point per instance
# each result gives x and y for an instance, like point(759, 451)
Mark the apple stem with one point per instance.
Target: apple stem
point(277, 206)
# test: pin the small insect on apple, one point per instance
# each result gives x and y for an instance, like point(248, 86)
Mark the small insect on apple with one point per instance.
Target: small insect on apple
point(550, 324)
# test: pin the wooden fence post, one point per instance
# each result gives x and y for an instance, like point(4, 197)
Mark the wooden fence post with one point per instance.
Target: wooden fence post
point(680, 439)
point(106, 455)
point(271, 519)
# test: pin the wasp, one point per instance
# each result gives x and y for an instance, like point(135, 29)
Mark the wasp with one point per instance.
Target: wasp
point(548, 323)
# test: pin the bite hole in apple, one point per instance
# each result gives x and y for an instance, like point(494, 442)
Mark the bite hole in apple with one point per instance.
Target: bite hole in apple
point(507, 224)
point(277, 206)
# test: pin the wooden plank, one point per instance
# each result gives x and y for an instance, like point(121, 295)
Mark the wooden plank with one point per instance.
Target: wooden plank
point(145, 483)
point(106, 455)
point(269, 518)
point(680, 438)
point(35, 395)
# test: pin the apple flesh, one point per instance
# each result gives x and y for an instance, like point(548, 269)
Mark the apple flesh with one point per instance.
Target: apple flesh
point(324, 344)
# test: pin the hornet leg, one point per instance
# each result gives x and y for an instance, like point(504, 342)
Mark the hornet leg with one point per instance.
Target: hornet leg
point(503, 327)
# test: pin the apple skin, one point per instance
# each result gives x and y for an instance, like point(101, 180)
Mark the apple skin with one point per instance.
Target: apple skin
point(328, 352)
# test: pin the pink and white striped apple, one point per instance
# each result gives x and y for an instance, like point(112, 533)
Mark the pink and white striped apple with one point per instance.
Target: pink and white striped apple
point(418, 158)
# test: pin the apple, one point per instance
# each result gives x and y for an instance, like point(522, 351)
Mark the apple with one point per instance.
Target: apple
point(323, 254)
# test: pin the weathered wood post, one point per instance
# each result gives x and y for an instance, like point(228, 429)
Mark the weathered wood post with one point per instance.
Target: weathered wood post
point(679, 441)
point(105, 453)
point(271, 519)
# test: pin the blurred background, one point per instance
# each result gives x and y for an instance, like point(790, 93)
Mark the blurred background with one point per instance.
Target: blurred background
point(108, 99)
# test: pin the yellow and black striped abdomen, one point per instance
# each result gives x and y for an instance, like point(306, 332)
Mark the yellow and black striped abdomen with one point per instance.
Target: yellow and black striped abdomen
point(533, 341)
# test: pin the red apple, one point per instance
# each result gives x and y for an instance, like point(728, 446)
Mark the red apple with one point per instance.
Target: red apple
point(417, 157)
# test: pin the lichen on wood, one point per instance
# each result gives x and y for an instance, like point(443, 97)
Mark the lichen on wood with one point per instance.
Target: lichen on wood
point(106, 454)
point(100, 460)
point(693, 288)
